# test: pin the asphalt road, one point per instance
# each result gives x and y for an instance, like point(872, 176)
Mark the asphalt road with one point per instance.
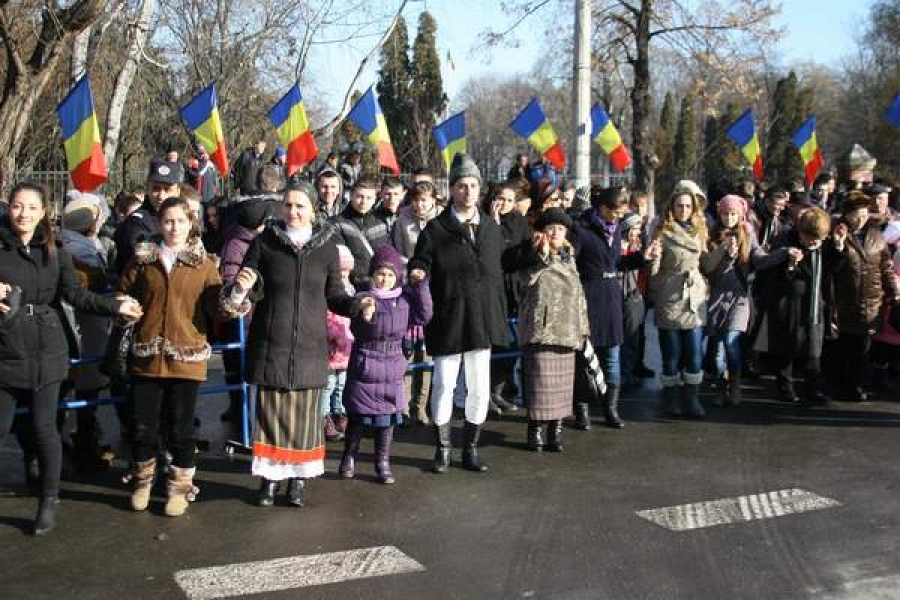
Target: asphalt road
point(536, 526)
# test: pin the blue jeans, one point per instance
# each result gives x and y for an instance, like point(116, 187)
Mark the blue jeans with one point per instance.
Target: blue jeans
point(728, 352)
point(610, 363)
point(333, 392)
point(682, 349)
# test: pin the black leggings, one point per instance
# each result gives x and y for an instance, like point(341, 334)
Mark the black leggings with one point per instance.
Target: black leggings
point(177, 397)
point(43, 404)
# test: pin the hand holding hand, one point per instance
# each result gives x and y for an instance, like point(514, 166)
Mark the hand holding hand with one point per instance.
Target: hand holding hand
point(839, 235)
point(731, 246)
point(417, 275)
point(795, 255)
point(130, 309)
point(246, 279)
point(540, 242)
point(653, 250)
point(5, 289)
point(496, 205)
point(367, 308)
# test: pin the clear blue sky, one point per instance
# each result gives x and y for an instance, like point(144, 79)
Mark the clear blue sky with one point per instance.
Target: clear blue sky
point(816, 30)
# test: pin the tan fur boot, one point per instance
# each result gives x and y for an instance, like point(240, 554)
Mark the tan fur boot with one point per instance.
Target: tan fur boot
point(181, 490)
point(142, 474)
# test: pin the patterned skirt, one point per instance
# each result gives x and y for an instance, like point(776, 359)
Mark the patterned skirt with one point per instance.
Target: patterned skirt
point(548, 379)
point(289, 439)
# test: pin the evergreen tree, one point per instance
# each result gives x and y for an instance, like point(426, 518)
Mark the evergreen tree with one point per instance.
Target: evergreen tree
point(782, 159)
point(665, 140)
point(684, 151)
point(393, 88)
point(427, 91)
point(723, 162)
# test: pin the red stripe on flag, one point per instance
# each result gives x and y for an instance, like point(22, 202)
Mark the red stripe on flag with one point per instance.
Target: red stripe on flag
point(556, 156)
point(758, 172)
point(90, 173)
point(220, 158)
point(387, 158)
point(620, 158)
point(812, 168)
point(301, 151)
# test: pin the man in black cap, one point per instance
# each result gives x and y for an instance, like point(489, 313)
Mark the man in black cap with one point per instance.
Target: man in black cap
point(143, 224)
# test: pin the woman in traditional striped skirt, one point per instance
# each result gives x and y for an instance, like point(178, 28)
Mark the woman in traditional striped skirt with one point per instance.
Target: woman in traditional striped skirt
point(553, 324)
point(293, 273)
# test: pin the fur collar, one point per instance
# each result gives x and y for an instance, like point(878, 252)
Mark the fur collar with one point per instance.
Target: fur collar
point(322, 231)
point(192, 255)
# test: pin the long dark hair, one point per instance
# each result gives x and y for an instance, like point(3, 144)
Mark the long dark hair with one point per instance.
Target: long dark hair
point(49, 237)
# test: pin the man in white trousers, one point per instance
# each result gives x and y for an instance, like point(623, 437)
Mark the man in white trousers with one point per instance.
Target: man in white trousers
point(459, 251)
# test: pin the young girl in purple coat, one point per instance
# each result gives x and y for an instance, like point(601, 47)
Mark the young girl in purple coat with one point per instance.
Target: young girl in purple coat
point(373, 395)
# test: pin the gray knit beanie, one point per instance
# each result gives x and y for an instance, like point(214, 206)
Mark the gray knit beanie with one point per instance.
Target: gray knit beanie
point(463, 166)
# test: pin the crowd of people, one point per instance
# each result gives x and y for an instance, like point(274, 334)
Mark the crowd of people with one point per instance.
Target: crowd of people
point(342, 279)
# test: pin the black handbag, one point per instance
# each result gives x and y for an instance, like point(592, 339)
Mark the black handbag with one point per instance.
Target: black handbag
point(589, 382)
point(117, 357)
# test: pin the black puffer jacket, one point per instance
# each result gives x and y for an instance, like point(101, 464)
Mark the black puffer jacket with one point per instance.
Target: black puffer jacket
point(363, 235)
point(466, 284)
point(33, 347)
point(287, 346)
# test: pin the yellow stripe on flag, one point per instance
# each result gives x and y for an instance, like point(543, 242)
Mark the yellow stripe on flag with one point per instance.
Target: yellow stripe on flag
point(294, 126)
point(81, 144)
point(543, 137)
point(210, 132)
point(455, 147)
point(808, 150)
point(751, 150)
point(380, 133)
point(608, 138)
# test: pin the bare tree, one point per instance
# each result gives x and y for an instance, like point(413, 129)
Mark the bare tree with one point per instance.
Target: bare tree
point(34, 36)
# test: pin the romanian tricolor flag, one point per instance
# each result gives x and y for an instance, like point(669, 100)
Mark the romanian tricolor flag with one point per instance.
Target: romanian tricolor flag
point(893, 112)
point(743, 133)
point(81, 136)
point(805, 140)
point(368, 117)
point(451, 137)
point(201, 116)
point(605, 134)
point(289, 118)
point(532, 124)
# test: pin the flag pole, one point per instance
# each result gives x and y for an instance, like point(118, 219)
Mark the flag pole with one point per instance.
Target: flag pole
point(582, 93)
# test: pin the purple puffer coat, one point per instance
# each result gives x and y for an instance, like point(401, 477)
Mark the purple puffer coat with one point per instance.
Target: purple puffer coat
point(377, 364)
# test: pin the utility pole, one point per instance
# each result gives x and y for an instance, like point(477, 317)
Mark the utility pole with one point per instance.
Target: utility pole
point(582, 92)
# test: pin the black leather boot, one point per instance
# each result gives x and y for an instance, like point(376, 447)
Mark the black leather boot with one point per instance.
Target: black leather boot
point(690, 396)
point(383, 439)
point(535, 436)
point(554, 436)
point(296, 493)
point(786, 392)
point(582, 416)
point(352, 437)
point(470, 459)
point(442, 448)
point(45, 520)
point(611, 407)
point(267, 491)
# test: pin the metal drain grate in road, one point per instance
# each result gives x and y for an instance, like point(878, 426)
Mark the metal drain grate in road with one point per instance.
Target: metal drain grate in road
point(741, 509)
point(243, 579)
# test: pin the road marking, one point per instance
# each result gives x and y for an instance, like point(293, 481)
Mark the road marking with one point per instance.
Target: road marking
point(242, 579)
point(860, 420)
point(741, 509)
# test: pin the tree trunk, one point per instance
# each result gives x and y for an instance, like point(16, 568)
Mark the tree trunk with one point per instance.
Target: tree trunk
point(140, 32)
point(640, 102)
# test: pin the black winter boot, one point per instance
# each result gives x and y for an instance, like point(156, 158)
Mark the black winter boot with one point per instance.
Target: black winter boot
point(536, 436)
point(470, 459)
point(734, 389)
point(671, 395)
point(383, 438)
point(296, 493)
point(554, 436)
point(45, 520)
point(690, 395)
point(442, 449)
point(267, 491)
point(582, 416)
point(611, 407)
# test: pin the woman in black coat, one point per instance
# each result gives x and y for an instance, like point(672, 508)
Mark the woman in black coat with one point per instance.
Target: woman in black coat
point(292, 272)
point(36, 273)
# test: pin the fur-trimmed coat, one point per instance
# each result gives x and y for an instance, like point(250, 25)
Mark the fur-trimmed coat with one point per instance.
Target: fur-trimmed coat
point(287, 347)
point(170, 339)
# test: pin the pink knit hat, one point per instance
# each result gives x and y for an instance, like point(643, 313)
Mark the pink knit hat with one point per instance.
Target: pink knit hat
point(345, 257)
point(734, 203)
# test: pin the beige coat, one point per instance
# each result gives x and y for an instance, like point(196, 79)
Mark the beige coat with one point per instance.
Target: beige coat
point(677, 287)
point(552, 308)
